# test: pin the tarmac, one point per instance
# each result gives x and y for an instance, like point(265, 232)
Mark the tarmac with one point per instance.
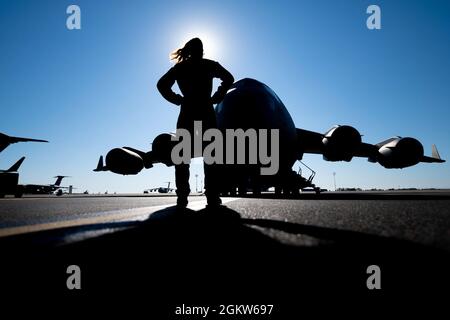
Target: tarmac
point(283, 251)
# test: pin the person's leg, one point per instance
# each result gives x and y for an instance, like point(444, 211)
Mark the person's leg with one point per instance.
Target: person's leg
point(211, 171)
point(182, 183)
point(182, 170)
point(211, 185)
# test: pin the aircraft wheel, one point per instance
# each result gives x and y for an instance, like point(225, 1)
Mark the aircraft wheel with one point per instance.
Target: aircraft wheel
point(19, 192)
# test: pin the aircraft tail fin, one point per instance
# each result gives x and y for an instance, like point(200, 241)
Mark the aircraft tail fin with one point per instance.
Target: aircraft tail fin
point(100, 165)
point(16, 165)
point(59, 180)
point(435, 157)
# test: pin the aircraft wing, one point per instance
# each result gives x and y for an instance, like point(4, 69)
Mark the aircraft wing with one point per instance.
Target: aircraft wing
point(317, 143)
point(128, 160)
point(310, 141)
point(342, 143)
point(6, 140)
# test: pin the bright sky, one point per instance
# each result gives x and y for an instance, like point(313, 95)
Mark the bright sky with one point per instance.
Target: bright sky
point(94, 89)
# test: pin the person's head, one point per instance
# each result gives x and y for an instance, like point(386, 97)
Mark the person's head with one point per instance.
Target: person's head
point(193, 49)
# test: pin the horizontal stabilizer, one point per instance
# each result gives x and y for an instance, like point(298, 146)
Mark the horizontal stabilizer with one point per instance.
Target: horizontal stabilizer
point(16, 165)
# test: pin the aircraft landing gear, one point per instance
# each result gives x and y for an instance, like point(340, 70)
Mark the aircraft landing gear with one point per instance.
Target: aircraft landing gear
point(19, 192)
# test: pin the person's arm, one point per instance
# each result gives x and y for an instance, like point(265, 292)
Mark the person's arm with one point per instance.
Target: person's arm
point(165, 87)
point(227, 81)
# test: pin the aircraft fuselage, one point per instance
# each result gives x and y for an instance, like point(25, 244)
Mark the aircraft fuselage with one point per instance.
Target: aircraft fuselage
point(250, 104)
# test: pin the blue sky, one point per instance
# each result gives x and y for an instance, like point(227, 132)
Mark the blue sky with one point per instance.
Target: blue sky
point(93, 89)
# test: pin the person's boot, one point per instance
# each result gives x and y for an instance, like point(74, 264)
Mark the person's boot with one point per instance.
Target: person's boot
point(213, 201)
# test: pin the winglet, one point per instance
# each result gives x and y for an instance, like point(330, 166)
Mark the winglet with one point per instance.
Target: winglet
point(16, 165)
point(435, 157)
point(100, 166)
point(435, 152)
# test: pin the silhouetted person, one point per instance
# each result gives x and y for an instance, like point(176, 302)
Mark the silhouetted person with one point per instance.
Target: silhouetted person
point(194, 76)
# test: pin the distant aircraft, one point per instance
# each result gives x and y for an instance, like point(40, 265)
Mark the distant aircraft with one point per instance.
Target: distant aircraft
point(252, 104)
point(161, 189)
point(9, 180)
point(45, 189)
point(6, 140)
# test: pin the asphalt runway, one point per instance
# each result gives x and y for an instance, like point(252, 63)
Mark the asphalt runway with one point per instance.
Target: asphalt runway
point(418, 216)
point(284, 251)
point(34, 210)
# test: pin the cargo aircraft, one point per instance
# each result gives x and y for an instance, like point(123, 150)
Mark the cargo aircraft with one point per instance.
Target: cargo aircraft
point(160, 189)
point(44, 188)
point(9, 179)
point(250, 104)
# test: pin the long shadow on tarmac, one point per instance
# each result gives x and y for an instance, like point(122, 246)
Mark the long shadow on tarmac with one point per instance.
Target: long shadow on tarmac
point(215, 256)
point(360, 195)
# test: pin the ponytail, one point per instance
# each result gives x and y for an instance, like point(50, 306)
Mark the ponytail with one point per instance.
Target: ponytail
point(179, 55)
point(192, 49)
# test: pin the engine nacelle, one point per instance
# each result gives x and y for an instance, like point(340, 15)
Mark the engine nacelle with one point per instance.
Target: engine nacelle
point(340, 143)
point(162, 148)
point(124, 161)
point(400, 153)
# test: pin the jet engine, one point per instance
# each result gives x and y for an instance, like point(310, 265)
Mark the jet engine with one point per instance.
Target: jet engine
point(162, 148)
point(400, 153)
point(340, 143)
point(124, 161)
